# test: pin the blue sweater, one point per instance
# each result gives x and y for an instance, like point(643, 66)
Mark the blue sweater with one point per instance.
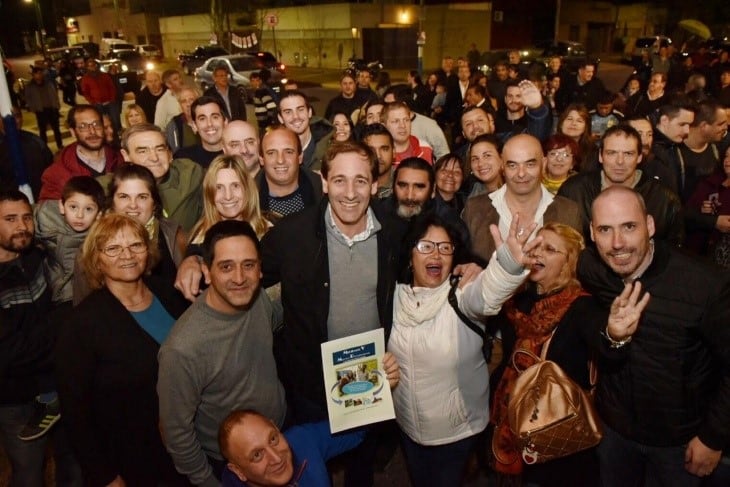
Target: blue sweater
point(314, 443)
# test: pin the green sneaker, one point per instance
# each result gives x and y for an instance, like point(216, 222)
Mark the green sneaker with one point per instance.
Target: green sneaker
point(42, 420)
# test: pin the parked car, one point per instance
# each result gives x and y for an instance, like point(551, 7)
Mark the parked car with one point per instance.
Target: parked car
point(66, 52)
point(91, 49)
point(129, 61)
point(149, 51)
point(269, 60)
point(115, 49)
point(190, 61)
point(572, 54)
point(240, 66)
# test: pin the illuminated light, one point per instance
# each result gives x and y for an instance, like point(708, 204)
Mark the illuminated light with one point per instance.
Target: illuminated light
point(149, 66)
point(284, 81)
point(404, 17)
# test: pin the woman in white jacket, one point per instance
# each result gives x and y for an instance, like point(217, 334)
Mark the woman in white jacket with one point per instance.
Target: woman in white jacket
point(442, 401)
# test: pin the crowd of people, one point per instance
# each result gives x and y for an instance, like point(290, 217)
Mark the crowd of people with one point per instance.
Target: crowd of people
point(163, 303)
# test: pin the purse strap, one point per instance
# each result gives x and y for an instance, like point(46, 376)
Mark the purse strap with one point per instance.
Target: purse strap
point(454, 302)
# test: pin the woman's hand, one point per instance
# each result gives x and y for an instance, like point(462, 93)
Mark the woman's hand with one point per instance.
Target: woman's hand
point(468, 272)
point(117, 482)
point(626, 311)
point(392, 369)
point(516, 242)
point(188, 277)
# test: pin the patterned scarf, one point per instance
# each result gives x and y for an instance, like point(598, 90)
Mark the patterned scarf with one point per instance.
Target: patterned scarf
point(532, 331)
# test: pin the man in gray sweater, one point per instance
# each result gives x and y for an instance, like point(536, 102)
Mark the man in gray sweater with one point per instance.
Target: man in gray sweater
point(219, 355)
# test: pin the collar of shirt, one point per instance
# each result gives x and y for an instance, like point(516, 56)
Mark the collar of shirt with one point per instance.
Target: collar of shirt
point(371, 226)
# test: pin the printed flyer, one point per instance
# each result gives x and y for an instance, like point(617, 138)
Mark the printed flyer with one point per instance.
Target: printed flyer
point(357, 389)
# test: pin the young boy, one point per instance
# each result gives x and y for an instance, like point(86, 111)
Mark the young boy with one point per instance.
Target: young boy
point(604, 116)
point(62, 227)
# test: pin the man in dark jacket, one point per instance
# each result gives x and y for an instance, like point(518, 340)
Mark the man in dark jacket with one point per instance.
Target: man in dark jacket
point(583, 88)
point(232, 97)
point(619, 156)
point(26, 343)
point(672, 121)
point(664, 392)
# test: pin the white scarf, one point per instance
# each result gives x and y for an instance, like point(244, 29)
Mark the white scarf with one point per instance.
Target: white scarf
point(416, 305)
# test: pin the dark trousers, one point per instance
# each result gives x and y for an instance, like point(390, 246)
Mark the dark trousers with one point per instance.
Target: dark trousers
point(49, 116)
point(69, 95)
point(437, 466)
point(626, 463)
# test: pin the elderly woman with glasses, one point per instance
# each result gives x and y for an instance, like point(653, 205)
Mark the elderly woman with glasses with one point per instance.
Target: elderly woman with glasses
point(554, 312)
point(106, 359)
point(442, 400)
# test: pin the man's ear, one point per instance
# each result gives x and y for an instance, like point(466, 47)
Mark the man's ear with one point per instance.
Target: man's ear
point(125, 155)
point(237, 471)
point(593, 238)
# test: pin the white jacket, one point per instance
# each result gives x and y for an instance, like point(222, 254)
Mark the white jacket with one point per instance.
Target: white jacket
point(443, 394)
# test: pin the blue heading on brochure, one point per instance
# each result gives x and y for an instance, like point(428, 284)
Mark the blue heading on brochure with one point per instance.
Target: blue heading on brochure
point(346, 355)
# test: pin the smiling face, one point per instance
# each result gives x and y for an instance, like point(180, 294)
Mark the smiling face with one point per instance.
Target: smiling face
point(281, 161)
point(343, 131)
point(233, 276)
point(621, 231)
point(349, 186)
point(135, 116)
point(432, 269)
point(259, 453)
point(16, 228)
point(240, 139)
point(229, 195)
point(149, 149)
point(513, 99)
point(79, 210)
point(485, 162)
point(295, 114)
point(522, 163)
point(347, 86)
point(559, 163)
point(209, 122)
point(475, 123)
point(134, 199)
point(449, 178)
point(128, 266)
point(89, 131)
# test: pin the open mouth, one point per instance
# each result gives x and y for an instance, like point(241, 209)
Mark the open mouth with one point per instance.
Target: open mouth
point(434, 270)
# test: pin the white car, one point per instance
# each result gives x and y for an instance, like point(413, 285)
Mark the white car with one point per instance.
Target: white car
point(149, 51)
point(240, 66)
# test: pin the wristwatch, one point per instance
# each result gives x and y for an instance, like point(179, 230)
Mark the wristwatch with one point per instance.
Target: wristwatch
point(615, 343)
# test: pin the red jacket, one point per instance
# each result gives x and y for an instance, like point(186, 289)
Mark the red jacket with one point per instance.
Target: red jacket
point(98, 89)
point(416, 148)
point(66, 165)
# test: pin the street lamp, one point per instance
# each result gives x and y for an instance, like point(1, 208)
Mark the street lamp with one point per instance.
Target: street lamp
point(39, 18)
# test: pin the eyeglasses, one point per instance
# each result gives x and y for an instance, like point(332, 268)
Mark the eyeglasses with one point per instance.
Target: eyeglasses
point(560, 155)
point(549, 250)
point(427, 247)
point(87, 127)
point(116, 250)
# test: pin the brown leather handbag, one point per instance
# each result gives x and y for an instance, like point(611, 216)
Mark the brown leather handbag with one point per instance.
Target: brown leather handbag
point(550, 415)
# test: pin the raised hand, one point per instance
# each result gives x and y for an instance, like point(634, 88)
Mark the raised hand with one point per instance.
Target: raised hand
point(517, 241)
point(626, 311)
point(531, 96)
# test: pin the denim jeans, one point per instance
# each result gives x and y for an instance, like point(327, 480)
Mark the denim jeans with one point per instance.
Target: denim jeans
point(27, 457)
point(437, 466)
point(626, 463)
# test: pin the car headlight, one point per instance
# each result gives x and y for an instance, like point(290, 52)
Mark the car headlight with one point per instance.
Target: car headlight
point(284, 81)
point(125, 67)
point(149, 66)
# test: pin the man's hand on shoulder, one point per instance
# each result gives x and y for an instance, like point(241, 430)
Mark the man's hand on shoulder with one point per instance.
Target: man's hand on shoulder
point(189, 273)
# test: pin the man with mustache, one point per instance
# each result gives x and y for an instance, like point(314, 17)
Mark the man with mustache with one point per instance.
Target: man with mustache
point(88, 156)
point(27, 343)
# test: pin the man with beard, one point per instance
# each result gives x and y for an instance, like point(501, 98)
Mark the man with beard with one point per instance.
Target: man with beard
point(523, 112)
point(88, 156)
point(26, 348)
point(377, 137)
point(475, 121)
point(664, 395)
point(209, 119)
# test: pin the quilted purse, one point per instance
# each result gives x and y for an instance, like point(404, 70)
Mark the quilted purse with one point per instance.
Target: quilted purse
point(550, 415)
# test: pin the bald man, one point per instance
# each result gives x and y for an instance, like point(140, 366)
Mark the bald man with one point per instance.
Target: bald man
point(522, 193)
point(242, 139)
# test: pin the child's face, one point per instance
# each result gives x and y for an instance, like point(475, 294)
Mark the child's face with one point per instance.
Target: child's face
point(440, 89)
point(603, 109)
point(79, 211)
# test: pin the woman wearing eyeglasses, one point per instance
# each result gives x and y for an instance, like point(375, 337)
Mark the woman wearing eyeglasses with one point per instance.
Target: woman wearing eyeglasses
point(553, 308)
point(442, 400)
point(561, 158)
point(106, 359)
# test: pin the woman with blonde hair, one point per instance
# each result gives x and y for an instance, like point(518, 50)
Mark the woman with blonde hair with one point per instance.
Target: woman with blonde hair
point(229, 193)
point(134, 115)
point(106, 358)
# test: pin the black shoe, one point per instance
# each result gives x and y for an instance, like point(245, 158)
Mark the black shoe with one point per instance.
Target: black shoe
point(42, 420)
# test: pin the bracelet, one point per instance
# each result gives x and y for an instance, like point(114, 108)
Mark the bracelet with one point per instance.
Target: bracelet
point(615, 343)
